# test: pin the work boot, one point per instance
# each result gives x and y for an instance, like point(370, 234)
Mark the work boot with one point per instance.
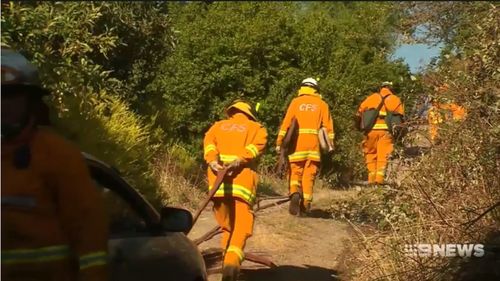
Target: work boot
point(305, 209)
point(294, 207)
point(230, 273)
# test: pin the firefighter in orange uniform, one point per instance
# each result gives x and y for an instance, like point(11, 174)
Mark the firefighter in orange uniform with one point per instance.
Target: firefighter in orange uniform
point(441, 111)
point(378, 142)
point(53, 223)
point(235, 143)
point(311, 113)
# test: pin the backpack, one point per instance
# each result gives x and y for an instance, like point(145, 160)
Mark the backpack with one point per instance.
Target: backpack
point(394, 121)
point(369, 117)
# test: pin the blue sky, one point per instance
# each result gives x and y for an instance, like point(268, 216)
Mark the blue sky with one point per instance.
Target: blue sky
point(416, 55)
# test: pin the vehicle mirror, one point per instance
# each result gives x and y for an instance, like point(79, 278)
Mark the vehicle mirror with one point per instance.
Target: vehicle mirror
point(176, 220)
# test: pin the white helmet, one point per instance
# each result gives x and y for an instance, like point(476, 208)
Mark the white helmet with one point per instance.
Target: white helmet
point(311, 82)
point(386, 83)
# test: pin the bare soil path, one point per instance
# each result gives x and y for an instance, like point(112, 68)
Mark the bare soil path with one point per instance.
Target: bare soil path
point(304, 248)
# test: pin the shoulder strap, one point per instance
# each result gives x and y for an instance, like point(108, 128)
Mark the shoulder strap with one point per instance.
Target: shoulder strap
point(382, 102)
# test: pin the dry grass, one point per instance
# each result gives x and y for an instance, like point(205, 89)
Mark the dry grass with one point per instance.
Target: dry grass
point(182, 181)
point(174, 188)
point(448, 195)
point(438, 201)
point(270, 184)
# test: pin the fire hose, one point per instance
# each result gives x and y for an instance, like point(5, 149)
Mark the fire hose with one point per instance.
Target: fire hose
point(216, 230)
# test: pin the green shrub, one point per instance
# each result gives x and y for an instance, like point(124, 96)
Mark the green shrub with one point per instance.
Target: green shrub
point(110, 131)
point(452, 191)
point(262, 51)
point(80, 50)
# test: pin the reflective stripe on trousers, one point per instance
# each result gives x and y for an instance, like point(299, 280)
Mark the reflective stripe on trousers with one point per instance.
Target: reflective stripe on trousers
point(308, 197)
point(237, 251)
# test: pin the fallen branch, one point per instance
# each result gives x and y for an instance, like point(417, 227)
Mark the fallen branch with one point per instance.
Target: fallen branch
point(216, 255)
point(259, 259)
point(472, 222)
point(272, 198)
point(259, 208)
point(216, 230)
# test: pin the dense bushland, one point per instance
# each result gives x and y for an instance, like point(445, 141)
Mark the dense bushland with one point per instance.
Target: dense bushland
point(137, 84)
point(131, 80)
point(451, 194)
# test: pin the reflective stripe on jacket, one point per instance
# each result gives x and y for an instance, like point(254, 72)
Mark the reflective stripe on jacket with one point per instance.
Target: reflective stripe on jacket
point(51, 210)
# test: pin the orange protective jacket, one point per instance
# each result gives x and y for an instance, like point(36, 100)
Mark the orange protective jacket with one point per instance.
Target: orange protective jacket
point(236, 137)
point(391, 103)
point(53, 217)
point(311, 113)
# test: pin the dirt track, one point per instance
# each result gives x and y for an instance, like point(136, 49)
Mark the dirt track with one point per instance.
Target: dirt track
point(305, 249)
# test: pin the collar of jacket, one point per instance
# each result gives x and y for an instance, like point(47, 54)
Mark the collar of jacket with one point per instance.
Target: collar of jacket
point(304, 90)
point(240, 116)
point(385, 92)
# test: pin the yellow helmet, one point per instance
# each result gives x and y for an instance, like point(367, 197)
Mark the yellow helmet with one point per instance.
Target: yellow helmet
point(244, 107)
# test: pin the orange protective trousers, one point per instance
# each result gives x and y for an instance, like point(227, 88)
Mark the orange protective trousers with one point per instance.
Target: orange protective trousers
point(377, 147)
point(303, 174)
point(433, 132)
point(235, 217)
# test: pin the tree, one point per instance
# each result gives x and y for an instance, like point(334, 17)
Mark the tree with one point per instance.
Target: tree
point(263, 51)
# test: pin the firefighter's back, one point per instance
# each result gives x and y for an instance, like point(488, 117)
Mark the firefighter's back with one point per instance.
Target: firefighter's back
point(233, 135)
point(309, 111)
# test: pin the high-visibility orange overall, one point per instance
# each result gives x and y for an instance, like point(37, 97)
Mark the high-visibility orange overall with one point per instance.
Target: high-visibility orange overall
point(311, 113)
point(237, 137)
point(378, 143)
point(439, 112)
point(53, 218)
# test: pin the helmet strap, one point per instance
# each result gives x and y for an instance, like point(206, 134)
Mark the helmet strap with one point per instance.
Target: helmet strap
point(10, 131)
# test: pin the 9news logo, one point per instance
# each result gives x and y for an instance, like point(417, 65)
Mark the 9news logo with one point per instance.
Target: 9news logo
point(444, 250)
